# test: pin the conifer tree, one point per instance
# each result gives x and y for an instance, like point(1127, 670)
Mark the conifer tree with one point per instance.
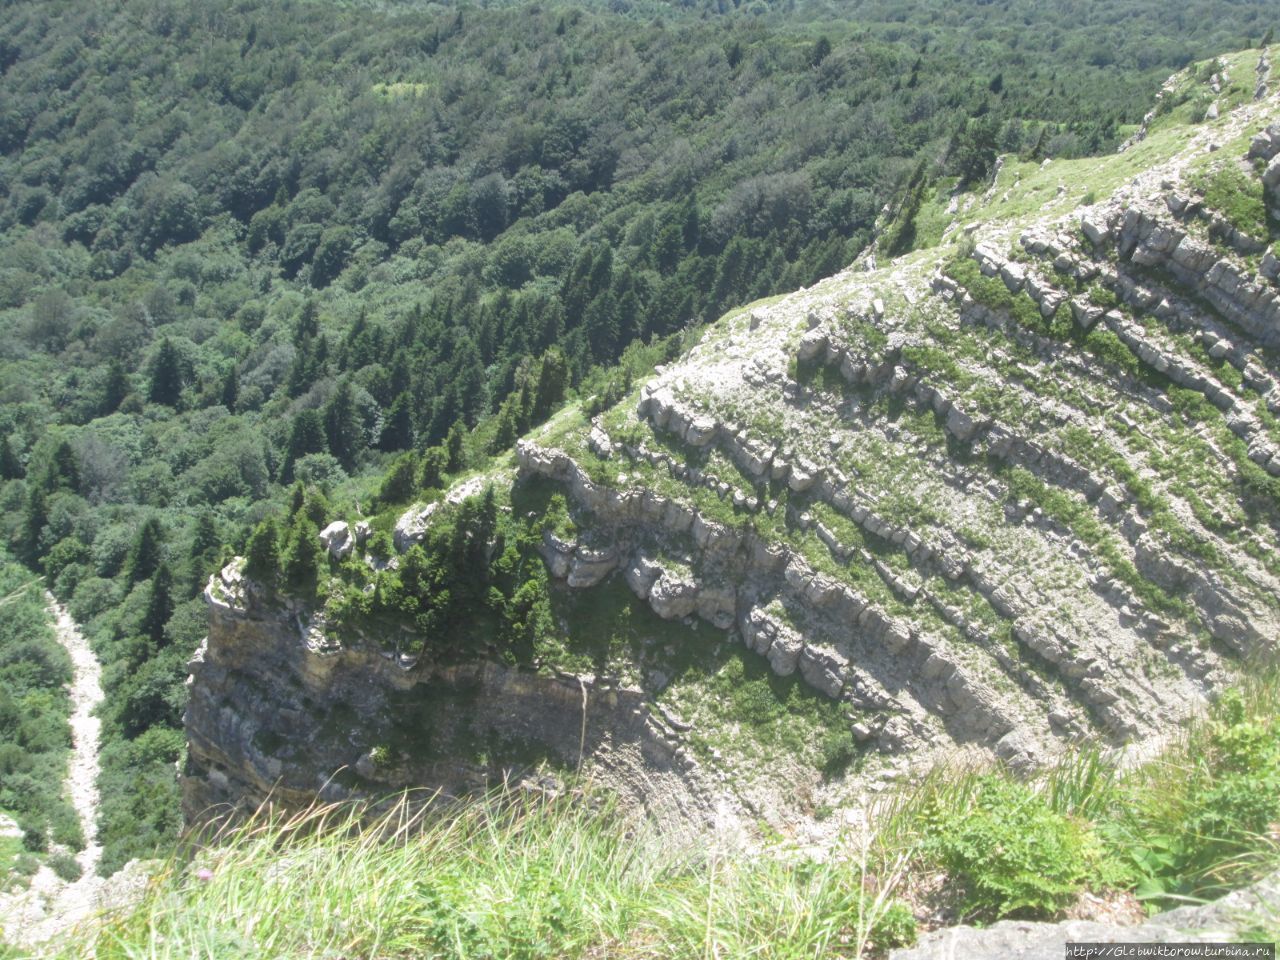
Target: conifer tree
point(398, 486)
point(10, 465)
point(145, 554)
point(455, 458)
point(297, 497)
point(553, 379)
point(115, 387)
point(159, 606)
point(432, 470)
point(307, 325)
point(342, 426)
point(301, 558)
point(167, 375)
point(306, 436)
point(317, 508)
point(203, 551)
point(63, 469)
point(34, 519)
point(231, 389)
point(505, 432)
point(397, 432)
point(262, 555)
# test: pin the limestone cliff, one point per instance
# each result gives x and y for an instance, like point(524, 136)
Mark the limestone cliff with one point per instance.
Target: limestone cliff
point(278, 710)
point(1013, 491)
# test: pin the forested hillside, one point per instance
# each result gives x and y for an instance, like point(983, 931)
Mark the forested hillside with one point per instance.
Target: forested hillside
point(246, 245)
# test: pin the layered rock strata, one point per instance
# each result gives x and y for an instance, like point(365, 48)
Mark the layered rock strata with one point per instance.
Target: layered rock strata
point(280, 710)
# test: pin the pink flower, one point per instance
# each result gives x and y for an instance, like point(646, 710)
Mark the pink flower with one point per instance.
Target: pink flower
point(204, 874)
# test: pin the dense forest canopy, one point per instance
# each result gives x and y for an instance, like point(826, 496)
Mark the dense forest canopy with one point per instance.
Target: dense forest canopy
point(248, 244)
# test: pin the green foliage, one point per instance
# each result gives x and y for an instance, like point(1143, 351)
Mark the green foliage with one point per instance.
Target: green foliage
point(1011, 854)
point(167, 375)
point(35, 737)
point(1204, 822)
point(262, 555)
point(146, 553)
point(65, 866)
point(301, 557)
point(1078, 517)
point(400, 483)
point(232, 256)
point(503, 876)
point(1237, 196)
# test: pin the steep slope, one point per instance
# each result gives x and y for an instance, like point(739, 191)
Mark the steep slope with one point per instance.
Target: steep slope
point(1013, 492)
point(1016, 490)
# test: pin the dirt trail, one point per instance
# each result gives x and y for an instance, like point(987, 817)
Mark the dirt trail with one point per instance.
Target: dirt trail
point(86, 694)
point(51, 906)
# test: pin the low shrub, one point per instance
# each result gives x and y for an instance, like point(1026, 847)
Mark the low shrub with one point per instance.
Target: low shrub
point(1009, 851)
point(65, 866)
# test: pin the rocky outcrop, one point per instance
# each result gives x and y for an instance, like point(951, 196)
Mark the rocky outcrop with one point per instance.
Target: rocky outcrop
point(280, 708)
point(1014, 494)
point(338, 540)
point(739, 574)
point(966, 510)
point(1228, 920)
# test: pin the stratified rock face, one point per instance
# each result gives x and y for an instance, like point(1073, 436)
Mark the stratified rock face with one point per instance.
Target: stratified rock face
point(1015, 492)
point(278, 708)
point(1011, 492)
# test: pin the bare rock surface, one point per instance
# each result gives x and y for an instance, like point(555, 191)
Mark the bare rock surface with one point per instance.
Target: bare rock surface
point(52, 907)
point(943, 490)
point(1224, 921)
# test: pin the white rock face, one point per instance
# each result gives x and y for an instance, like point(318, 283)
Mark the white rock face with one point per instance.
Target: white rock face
point(338, 540)
point(412, 526)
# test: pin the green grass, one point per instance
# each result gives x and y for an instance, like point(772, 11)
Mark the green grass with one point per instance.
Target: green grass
point(518, 877)
point(1237, 196)
point(503, 877)
point(737, 704)
point(1195, 822)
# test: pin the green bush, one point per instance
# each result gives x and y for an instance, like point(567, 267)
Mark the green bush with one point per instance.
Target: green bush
point(1237, 196)
point(1198, 825)
point(65, 866)
point(1011, 854)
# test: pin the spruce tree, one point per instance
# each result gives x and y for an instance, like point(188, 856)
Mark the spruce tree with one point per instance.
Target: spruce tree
point(342, 426)
point(302, 555)
point(262, 555)
point(316, 508)
point(145, 554)
point(455, 458)
point(431, 473)
point(307, 324)
point(115, 387)
point(159, 606)
point(297, 497)
point(203, 551)
point(167, 375)
point(397, 432)
point(505, 434)
point(398, 487)
point(231, 389)
point(10, 465)
point(62, 472)
point(34, 519)
point(306, 436)
point(553, 379)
